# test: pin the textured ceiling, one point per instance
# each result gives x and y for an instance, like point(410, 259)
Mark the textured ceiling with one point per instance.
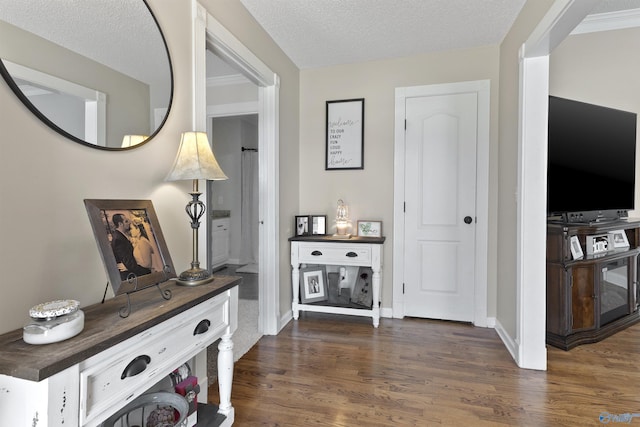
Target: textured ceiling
point(313, 33)
point(317, 33)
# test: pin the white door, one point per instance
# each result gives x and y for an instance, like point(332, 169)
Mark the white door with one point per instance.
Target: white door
point(440, 204)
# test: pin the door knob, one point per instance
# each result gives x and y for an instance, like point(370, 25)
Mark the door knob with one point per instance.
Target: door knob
point(468, 219)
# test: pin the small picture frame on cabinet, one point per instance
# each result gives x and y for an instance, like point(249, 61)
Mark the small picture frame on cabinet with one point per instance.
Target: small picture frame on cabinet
point(318, 225)
point(368, 228)
point(576, 249)
point(302, 225)
point(618, 239)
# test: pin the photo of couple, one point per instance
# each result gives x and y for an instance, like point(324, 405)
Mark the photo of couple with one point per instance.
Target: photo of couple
point(132, 241)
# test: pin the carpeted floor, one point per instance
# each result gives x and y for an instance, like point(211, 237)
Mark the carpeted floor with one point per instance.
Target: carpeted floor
point(248, 268)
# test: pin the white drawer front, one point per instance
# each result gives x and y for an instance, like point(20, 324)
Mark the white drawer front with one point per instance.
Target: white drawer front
point(159, 350)
point(332, 254)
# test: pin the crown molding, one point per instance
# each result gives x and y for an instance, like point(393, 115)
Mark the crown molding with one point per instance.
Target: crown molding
point(609, 21)
point(234, 79)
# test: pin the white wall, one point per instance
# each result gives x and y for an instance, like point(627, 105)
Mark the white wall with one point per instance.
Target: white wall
point(369, 192)
point(527, 20)
point(47, 249)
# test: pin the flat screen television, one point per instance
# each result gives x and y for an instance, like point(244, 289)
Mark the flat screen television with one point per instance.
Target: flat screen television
point(592, 161)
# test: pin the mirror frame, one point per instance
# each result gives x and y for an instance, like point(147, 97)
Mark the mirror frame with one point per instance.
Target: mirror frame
point(14, 87)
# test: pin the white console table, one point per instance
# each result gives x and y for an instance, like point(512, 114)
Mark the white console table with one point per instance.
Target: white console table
point(327, 250)
point(85, 379)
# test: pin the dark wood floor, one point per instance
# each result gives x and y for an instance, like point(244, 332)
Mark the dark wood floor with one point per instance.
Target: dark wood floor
point(329, 370)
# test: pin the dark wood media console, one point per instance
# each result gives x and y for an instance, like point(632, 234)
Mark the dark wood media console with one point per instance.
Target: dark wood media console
point(593, 297)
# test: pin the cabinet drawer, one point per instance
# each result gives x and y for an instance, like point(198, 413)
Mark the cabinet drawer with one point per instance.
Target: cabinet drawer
point(342, 255)
point(116, 376)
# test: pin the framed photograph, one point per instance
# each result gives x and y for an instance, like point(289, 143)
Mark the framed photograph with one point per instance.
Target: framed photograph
point(131, 243)
point(618, 239)
point(576, 249)
point(369, 228)
point(598, 244)
point(345, 134)
point(302, 225)
point(313, 284)
point(318, 224)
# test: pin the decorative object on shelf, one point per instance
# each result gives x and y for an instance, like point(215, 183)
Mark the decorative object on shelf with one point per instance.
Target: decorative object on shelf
point(618, 239)
point(342, 221)
point(155, 404)
point(598, 244)
point(337, 295)
point(576, 249)
point(131, 243)
point(53, 321)
point(369, 228)
point(313, 284)
point(195, 161)
point(363, 290)
point(345, 134)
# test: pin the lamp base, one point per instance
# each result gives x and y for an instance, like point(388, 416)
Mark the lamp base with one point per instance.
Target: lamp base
point(342, 236)
point(194, 277)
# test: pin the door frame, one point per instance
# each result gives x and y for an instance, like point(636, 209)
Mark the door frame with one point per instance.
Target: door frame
point(528, 347)
point(482, 88)
point(209, 33)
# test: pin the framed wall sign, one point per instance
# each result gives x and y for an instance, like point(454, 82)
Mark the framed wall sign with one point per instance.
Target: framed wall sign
point(345, 134)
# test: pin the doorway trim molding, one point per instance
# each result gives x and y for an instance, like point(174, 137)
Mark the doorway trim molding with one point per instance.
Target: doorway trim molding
point(208, 33)
point(482, 89)
point(528, 348)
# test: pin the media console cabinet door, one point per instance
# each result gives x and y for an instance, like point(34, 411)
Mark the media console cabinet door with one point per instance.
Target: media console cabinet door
point(583, 308)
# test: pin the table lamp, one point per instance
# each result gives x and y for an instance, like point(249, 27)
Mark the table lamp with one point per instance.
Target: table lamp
point(195, 161)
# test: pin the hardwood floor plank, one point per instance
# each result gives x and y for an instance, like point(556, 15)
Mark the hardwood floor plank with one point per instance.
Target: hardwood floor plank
point(328, 370)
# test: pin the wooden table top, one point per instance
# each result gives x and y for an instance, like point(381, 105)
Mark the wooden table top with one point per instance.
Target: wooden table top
point(104, 328)
point(332, 239)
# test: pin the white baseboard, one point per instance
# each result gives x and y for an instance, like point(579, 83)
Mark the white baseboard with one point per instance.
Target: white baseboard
point(285, 319)
point(386, 312)
point(510, 343)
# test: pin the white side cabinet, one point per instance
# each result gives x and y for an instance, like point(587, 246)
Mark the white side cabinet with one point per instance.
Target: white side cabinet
point(87, 378)
point(325, 250)
point(220, 246)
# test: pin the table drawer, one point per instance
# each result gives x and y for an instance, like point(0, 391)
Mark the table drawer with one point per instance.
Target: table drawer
point(345, 254)
point(123, 372)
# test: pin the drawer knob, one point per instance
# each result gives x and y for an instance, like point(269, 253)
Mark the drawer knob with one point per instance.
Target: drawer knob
point(136, 366)
point(352, 254)
point(202, 327)
point(316, 253)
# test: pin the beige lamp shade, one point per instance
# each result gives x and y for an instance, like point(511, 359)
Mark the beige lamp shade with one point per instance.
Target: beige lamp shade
point(132, 140)
point(195, 160)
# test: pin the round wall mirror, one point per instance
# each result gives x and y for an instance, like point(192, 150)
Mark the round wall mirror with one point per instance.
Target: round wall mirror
point(96, 71)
